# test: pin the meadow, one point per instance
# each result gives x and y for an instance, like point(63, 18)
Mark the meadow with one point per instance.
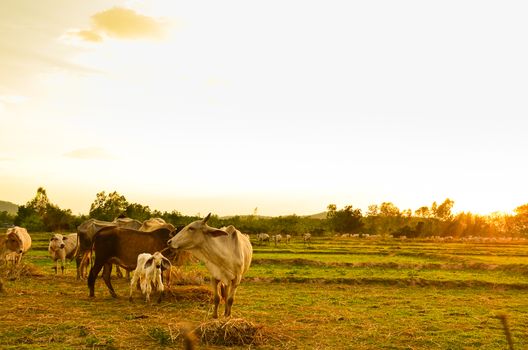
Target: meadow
point(334, 293)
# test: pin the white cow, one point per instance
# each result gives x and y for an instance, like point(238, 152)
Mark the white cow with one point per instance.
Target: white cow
point(149, 274)
point(17, 243)
point(226, 253)
point(62, 248)
point(263, 237)
point(307, 237)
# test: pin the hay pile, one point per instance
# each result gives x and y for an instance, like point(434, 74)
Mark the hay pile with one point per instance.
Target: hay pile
point(229, 332)
point(12, 272)
point(182, 275)
point(192, 293)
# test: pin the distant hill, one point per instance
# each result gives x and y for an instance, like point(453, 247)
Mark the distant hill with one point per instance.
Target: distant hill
point(11, 208)
point(320, 216)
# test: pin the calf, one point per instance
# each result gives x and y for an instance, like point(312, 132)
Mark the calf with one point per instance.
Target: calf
point(226, 254)
point(121, 246)
point(62, 248)
point(17, 242)
point(148, 271)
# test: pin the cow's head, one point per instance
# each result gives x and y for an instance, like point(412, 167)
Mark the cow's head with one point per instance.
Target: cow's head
point(194, 234)
point(57, 242)
point(13, 242)
point(157, 259)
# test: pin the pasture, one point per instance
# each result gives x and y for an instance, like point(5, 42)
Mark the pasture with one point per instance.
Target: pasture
point(335, 293)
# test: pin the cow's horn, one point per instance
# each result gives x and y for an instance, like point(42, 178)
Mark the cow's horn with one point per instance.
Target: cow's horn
point(206, 218)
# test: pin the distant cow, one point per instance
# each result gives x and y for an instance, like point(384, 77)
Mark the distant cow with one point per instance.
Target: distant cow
point(121, 246)
point(87, 230)
point(61, 248)
point(16, 243)
point(277, 238)
point(226, 253)
point(148, 272)
point(288, 239)
point(263, 237)
point(307, 237)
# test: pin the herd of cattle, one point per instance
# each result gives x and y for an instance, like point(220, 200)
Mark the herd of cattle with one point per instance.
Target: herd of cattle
point(146, 249)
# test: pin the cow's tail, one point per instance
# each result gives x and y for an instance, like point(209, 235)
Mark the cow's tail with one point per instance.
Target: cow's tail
point(223, 291)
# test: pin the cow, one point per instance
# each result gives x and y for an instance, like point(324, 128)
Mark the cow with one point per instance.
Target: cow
point(61, 248)
point(307, 237)
point(277, 239)
point(155, 223)
point(226, 253)
point(148, 272)
point(288, 239)
point(263, 237)
point(121, 246)
point(17, 242)
point(87, 230)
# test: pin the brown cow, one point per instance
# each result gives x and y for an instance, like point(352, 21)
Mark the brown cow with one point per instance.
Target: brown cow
point(87, 230)
point(120, 246)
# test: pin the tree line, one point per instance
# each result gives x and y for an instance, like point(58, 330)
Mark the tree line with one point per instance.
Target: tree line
point(385, 219)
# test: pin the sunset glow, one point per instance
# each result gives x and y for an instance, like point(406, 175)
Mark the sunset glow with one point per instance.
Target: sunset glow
point(286, 107)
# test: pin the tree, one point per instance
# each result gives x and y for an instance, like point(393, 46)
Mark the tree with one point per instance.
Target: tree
point(443, 211)
point(346, 220)
point(138, 211)
point(108, 207)
point(520, 220)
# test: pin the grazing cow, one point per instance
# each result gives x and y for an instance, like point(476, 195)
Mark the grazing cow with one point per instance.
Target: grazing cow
point(277, 239)
point(121, 246)
point(17, 243)
point(307, 237)
point(288, 239)
point(87, 230)
point(148, 271)
point(226, 254)
point(62, 248)
point(263, 237)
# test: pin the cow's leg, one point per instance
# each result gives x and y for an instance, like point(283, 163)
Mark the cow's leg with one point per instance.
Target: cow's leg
point(133, 284)
point(63, 260)
point(78, 266)
point(216, 297)
point(119, 274)
point(231, 290)
point(56, 267)
point(94, 271)
point(107, 271)
point(160, 287)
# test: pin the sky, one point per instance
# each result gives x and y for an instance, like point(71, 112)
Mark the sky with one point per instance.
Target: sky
point(284, 106)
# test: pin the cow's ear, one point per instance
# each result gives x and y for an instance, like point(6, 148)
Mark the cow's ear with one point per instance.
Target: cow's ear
point(148, 263)
point(165, 264)
point(204, 221)
point(215, 232)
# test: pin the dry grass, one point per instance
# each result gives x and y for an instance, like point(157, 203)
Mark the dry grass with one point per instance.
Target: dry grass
point(190, 293)
point(231, 332)
point(12, 272)
point(184, 276)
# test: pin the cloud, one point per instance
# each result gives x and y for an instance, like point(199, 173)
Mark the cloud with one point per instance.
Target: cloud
point(125, 23)
point(120, 23)
point(90, 153)
point(90, 35)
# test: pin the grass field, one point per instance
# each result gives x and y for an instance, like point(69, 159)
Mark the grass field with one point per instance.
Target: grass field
point(331, 294)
